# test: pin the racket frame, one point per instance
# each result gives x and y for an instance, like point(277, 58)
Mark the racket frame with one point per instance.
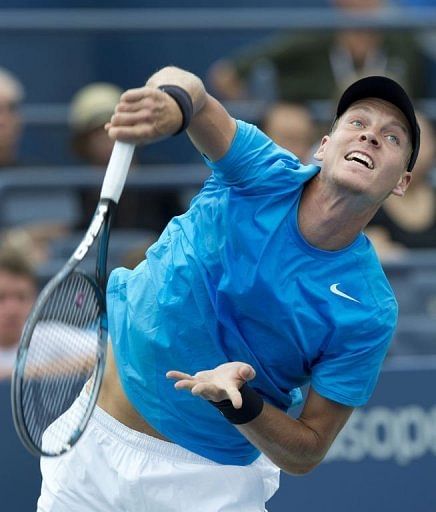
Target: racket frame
point(98, 229)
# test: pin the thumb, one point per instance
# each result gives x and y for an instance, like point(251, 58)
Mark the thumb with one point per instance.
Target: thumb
point(246, 372)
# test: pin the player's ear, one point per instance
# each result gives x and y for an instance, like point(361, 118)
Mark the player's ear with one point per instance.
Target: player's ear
point(402, 185)
point(319, 153)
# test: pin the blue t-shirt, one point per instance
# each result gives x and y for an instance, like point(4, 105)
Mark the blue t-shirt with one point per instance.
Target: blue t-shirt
point(233, 280)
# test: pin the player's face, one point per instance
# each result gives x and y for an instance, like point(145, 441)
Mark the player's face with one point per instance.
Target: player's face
point(368, 151)
point(17, 294)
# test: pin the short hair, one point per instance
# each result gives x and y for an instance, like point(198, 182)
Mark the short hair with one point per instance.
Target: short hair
point(14, 262)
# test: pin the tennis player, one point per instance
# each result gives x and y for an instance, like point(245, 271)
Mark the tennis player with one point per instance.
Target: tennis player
point(265, 284)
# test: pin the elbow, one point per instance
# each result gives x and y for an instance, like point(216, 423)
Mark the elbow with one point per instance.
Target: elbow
point(304, 464)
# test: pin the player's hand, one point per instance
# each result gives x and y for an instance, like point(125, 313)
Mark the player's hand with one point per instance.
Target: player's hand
point(221, 383)
point(143, 116)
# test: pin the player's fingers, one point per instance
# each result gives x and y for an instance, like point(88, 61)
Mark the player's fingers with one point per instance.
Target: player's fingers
point(175, 374)
point(132, 95)
point(247, 372)
point(134, 106)
point(123, 134)
point(130, 118)
point(235, 397)
point(203, 374)
point(185, 384)
point(135, 96)
point(138, 134)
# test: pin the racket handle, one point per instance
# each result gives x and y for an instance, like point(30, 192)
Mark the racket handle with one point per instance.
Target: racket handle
point(117, 170)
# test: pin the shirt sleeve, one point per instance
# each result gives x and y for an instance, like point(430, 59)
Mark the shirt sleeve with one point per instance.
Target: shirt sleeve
point(254, 161)
point(348, 370)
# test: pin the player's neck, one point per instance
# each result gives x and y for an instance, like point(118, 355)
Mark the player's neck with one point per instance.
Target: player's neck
point(330, 221)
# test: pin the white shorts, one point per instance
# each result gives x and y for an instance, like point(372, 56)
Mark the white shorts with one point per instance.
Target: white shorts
point(113, 468)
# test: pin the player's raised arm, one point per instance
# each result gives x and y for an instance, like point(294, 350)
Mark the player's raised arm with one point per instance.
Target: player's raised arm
point(171, 101)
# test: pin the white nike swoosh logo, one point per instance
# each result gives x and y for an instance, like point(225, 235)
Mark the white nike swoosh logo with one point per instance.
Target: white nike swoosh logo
point(334, 289)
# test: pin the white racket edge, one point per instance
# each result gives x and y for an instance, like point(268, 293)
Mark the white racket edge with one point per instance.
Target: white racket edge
point(117, 170)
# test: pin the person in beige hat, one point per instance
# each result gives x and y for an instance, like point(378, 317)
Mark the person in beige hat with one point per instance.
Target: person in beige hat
point(92, 107)
point(11, 96)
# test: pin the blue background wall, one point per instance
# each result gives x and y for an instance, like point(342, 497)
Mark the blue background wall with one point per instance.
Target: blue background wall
point(384, 460)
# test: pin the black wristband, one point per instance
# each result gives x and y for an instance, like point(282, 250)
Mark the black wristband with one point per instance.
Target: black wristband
point(252, 405)
point(183, 100)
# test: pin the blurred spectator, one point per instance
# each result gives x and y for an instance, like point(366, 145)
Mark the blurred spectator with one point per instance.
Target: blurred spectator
point(31, 240)
point(91, 107)
point(409, 221)
point(134, 256)
point(316, 66)
point(34, 236)
point(11, 96)
point(291, 126)
point(18, 288)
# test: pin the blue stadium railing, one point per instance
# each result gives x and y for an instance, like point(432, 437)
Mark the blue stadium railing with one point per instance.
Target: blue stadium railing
point(212, 18)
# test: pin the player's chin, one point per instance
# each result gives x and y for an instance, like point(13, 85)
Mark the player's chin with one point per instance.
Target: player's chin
point(354, 182)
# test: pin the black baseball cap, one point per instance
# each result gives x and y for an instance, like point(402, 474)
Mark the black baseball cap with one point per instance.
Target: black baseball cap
point(388, 90)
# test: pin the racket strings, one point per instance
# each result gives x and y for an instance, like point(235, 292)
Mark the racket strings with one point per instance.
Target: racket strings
point(61, 358)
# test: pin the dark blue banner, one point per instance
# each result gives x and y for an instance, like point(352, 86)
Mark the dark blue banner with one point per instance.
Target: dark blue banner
point(385, 458)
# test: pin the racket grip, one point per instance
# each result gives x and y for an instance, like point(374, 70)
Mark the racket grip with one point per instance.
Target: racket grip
point(117, 170)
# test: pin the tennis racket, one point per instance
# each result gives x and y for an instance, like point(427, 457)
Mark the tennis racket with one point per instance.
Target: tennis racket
point(62, 351)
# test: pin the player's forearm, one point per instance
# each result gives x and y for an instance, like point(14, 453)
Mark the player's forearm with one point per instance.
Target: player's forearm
point(289, 443)
point(193, 85)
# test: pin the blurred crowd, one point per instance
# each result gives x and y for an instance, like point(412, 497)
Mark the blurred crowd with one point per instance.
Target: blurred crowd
point(297, 69)
point(290, 73)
